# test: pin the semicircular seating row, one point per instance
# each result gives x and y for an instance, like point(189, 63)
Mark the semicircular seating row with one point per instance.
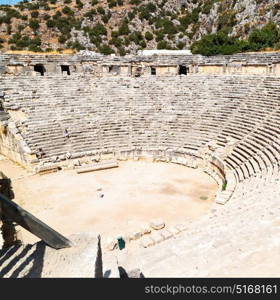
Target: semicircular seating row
point(150, 113)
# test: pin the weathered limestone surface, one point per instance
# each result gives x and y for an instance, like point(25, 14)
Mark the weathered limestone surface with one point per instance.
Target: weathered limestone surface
point(68, 121)
point(239, 239)
point(92, 57)
point(39, 260)
point(100, 65)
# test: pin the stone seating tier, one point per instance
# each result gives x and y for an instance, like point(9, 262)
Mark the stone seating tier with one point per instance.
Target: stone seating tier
point(84, 117)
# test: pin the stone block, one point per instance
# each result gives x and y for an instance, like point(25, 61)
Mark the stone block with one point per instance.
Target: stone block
point(146, 242)
point(157, 224)
point(181, 227)
point(174, 230)
point(156, 237)
point(135, 235)
point(166, 234)
point(145, 229)
point(110, 244)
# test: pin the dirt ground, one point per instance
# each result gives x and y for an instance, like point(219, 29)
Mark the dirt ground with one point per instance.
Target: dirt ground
point(112, 202)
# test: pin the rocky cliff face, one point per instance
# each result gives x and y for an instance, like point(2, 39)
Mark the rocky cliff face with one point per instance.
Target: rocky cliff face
point(126, 26)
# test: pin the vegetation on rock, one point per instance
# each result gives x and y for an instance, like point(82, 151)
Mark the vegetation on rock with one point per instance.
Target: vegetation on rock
point(221, 43)
point(125, 26)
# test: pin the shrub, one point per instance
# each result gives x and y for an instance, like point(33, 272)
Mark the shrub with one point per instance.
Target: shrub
point(143, 44)
point(33, 6)
point(112, 3)
point(136, 37)
point(46, 7)
point(149, 36)
point(115, 34)
point(131, 15)
point(34, 14)
point(10, 13)
point(267, 37)
point(57, 15)
point(46, 17)
point(22, 42)
point(79, 4)
point(207, 6)
point(135, 2)
point(36, 41)
point(181, 45)
point(20, 27)
point(99, 29)
point(67, 11)
point(185, 21)
point(78, 46)
point(34, 48)
point(34, 24)
point(181, 35)
point(62, 39)
point(105, 49)
point(96, 40)
point(90, 14)
point(126, 41)
point(146, 10)
point(124, 29)
point(160, 36)
point(162, 45)
point(50, 23)
point(121, 51)
point(101, 10)
point(116, 42)
point(218, 43)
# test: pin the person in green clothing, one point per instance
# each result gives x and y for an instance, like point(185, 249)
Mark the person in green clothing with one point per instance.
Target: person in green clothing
point(121, 243)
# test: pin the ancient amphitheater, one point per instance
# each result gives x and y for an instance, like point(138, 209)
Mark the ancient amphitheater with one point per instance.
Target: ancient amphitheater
point(66, 115)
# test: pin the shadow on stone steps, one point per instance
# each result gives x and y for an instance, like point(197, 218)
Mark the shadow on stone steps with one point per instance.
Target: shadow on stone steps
point(135, 273)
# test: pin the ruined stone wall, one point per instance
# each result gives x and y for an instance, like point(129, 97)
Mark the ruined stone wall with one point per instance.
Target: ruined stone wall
point(99, 65)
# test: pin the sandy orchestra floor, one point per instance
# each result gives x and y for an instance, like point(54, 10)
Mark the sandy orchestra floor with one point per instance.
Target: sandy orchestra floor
point(115, 201)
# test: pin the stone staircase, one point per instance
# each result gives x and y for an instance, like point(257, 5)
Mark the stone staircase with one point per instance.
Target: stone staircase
point(74, 122)
point(240, 239)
